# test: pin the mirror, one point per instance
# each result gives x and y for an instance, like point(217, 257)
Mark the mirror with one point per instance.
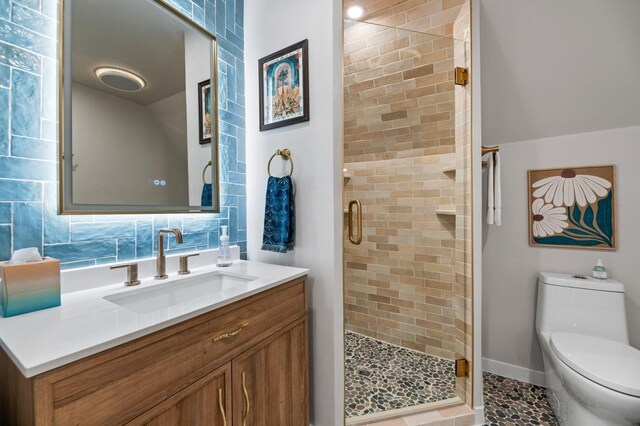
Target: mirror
point(139, 113)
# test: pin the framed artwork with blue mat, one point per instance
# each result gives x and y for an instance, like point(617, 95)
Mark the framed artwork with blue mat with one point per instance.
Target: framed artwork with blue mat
point(284, 87)
point(573, 207)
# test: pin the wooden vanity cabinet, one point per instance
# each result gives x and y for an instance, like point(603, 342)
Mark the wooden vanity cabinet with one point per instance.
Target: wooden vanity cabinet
point(244, 364)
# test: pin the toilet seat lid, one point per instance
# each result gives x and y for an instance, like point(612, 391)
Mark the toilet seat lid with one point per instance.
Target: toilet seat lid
point(611, 364)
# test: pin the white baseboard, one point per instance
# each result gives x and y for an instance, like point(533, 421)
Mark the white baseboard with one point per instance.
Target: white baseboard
point(479, 416)
point(511, 371)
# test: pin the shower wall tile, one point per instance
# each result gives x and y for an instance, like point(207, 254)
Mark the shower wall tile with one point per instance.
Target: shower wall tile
point(399, 97)
point(29, 135)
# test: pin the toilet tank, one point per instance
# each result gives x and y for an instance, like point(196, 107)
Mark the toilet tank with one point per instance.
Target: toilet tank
point(581, 305)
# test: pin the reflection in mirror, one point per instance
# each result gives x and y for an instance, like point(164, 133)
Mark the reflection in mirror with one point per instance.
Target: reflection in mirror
point(139, 111)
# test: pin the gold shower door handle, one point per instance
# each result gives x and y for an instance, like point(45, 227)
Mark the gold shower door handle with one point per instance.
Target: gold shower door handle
point(245, 411)
point(355, 240)
point(221, 406)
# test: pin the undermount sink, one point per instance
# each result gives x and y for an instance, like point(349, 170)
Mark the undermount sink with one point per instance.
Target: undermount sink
point(182, 295)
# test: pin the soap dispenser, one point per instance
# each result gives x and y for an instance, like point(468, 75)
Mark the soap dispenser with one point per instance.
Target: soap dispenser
point(599, 271)
point(224, 253)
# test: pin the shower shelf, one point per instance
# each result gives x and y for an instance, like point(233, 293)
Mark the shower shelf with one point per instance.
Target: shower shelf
point(446, 212)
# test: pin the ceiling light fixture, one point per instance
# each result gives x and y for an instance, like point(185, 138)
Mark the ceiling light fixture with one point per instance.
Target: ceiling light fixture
point(120, 79)
point(355, 11)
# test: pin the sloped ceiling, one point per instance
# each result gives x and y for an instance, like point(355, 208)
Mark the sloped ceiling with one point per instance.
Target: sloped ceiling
point(553, 68)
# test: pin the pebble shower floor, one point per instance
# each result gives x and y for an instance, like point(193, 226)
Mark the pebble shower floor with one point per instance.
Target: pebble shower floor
point(381, 377)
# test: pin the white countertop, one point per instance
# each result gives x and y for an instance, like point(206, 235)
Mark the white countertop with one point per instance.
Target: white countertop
point(86, 323)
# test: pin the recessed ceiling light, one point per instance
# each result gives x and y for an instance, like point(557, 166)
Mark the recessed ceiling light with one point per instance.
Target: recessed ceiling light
point(120, 79)
point(355, 11)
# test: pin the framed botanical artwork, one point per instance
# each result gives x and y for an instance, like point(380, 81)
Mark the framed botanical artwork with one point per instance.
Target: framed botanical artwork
point(284, 87)
point(204, 112)
point(573, 207)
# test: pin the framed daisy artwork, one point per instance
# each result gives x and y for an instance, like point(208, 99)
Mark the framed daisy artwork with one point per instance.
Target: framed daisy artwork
point(573, 207)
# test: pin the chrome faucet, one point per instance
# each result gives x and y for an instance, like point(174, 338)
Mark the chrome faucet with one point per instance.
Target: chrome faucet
point(161, 261)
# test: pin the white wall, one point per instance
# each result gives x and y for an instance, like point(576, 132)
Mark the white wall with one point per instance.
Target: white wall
point(552, 70)
point(511, 265)
point(316, 148)
point(554, 67)
point(137, 149)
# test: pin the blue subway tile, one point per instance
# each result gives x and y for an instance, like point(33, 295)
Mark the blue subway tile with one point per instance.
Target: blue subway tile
point(21, 168)
point(50, 8)
point(183, 6)
point(235, 108)
point(233, 189)
point(19, 58)
point(144, 238)
point(234, 39)
point(5, 213)
point(33, 4)
point(5, 75)
point(106, 260)
point(33, 20)
point(102, 230)
point(85, 250)
point(126, 249)
point(5, 242)
point(238, 178)
point(199, 3)
point(25, 104)
point(27, 39)
point(78, 264)
point(4, 122)
point(201, 223)
point(198, 15)
point(5, 9)
point(233, 224)
point(50, 90)
point(242, 208)
point(27, 225)
point(239, 16)
point(49, 130)
point(214, 240)
point(56, 227)
point(33, 148)
point(210, 16)
point(230, 15)
point(11, 190)
point(220, 16)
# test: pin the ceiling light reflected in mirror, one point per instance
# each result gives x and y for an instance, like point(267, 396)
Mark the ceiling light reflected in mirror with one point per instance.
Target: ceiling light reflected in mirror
point(120, 79)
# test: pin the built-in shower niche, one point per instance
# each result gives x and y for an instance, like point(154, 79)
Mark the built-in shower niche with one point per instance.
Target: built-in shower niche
point(407, 160)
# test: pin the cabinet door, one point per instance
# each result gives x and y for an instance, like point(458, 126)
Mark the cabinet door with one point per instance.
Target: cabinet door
point(270, 381)
point(205, 402)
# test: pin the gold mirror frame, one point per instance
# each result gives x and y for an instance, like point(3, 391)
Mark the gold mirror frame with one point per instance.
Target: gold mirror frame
point(63, 116)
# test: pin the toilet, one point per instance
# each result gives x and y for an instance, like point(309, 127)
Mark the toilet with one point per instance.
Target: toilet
point(592, 373)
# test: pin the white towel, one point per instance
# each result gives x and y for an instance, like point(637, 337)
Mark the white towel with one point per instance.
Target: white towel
point(491, 210)
point(497, 190)
point(494, 190)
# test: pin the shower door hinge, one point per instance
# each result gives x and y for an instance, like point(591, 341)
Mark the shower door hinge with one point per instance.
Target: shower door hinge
point(462, 367)
point(462, 76)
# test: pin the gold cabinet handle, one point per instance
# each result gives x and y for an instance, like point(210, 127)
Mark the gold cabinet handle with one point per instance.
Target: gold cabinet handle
point(221, 406)
point(355, 240)
point(231, 333)
point(245, 413)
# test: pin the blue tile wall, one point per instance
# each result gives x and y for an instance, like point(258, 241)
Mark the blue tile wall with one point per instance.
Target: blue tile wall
point(28, 146)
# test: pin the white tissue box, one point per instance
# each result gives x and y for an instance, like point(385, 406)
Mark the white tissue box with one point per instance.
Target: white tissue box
point(28, 287)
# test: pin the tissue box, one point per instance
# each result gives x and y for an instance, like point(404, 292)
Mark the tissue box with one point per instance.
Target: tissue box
point(28, 287)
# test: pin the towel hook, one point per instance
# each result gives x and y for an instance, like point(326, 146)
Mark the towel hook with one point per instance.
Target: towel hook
point(209, 164)
point(489, 149)
point(285, 154)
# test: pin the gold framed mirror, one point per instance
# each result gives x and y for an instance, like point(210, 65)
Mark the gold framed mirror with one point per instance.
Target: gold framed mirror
point(138, 110)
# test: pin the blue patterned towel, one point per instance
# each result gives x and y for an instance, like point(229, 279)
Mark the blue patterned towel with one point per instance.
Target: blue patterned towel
point(207, 195)
point(279, 215)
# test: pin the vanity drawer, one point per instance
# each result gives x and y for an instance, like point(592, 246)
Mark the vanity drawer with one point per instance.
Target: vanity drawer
point(115, 386)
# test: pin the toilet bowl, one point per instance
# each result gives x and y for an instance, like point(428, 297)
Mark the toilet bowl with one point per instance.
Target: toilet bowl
point(592, 374)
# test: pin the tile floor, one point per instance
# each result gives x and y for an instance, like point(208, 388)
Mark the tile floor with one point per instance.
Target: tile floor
point(510, 402)
point(382, 377)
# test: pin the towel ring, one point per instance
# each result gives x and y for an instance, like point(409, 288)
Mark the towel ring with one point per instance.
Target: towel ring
point(285, 154)
point(209, 164)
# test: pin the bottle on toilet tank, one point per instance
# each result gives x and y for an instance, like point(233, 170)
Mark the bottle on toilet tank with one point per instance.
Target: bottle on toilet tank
point(599, 271)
